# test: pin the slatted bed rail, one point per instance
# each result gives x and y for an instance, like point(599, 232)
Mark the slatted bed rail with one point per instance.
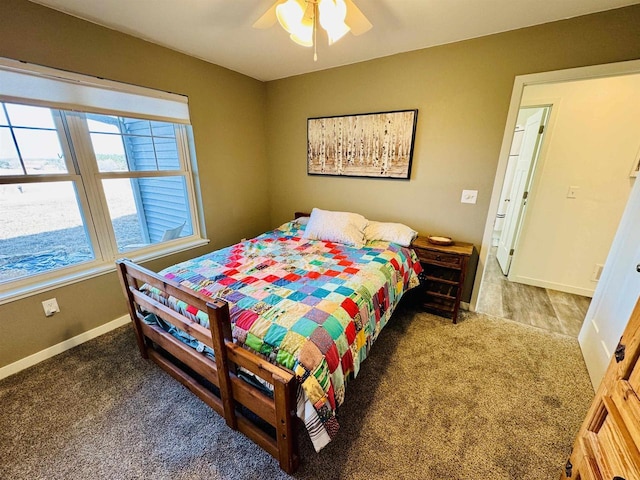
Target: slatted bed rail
point(153, 342)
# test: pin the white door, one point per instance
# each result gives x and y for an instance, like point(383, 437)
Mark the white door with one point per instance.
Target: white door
point(616, 293)
point(531, 142)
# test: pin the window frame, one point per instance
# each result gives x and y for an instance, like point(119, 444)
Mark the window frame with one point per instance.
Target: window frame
point(83, 171)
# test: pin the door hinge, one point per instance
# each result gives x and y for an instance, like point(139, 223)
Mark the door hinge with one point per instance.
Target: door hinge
point(541, 130)
point(525, 195)
point(568, 468)
point(511, 251)
point(619, 353)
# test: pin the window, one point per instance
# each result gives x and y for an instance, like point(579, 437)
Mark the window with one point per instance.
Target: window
point(80, 189)
point(144, 187)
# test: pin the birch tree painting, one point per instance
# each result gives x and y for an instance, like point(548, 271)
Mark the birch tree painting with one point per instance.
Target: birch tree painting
point(367, 145)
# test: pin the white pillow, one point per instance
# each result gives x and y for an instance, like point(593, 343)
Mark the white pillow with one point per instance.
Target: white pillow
point(390, 232)
point(339, 227)
point(302, 220)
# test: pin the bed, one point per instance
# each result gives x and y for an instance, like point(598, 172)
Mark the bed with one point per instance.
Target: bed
point(269, 330)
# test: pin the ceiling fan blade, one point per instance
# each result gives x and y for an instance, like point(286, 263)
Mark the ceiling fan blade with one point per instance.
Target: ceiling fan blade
point(356, 19)
point(269, 18)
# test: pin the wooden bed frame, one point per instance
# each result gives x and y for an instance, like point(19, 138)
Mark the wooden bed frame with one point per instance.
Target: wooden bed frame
point(173, 355)
point(181, 361)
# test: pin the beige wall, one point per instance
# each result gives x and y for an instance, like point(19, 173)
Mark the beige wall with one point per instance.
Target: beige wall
point(462, 92)
point(591, 142)
point(227, 113)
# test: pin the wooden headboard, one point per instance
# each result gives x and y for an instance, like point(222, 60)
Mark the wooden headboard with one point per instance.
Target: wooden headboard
point(301, 214)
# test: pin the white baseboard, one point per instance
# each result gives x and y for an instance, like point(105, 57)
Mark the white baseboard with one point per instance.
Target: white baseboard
point(38, 357)
point(561, 287)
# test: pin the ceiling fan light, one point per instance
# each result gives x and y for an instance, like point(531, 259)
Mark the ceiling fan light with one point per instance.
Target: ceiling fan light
point(328, 14)
point(341, 9)
point(290, 15)
point(303, 36)
point(302, 32)
point(301, 18)
point(337, 32)
point(332, 16)
point(306, 40)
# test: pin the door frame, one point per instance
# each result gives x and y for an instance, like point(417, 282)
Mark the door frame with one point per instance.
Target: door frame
point(520, 82)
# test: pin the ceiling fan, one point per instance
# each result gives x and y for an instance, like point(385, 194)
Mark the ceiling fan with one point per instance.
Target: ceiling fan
point(301, 18)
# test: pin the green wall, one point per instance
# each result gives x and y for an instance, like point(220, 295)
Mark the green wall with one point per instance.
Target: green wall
point(245, 129)
point(227, 113)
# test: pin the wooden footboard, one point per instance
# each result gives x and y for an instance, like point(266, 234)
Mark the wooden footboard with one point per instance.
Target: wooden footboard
point(164, 349)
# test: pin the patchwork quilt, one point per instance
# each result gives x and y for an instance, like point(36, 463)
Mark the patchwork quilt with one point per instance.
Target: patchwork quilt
point(311, 306)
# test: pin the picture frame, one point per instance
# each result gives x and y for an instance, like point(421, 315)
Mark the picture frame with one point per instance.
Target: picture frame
point(371, 145)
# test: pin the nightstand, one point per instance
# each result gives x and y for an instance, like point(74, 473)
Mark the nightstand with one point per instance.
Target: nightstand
point(442, 279)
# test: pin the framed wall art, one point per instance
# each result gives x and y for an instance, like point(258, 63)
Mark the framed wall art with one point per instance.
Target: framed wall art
point(376, 145)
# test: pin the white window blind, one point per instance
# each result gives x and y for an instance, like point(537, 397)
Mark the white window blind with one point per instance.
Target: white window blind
point(37, 85)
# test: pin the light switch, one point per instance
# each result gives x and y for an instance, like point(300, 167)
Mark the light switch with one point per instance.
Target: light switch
point(469, 196)
point(572, 192)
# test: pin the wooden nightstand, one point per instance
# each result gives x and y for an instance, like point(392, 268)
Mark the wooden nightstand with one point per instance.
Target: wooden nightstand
point(444, 270)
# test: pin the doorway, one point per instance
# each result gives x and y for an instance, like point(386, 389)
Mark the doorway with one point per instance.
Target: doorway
point(548, 309)
point(523, 155)
point(541, 249)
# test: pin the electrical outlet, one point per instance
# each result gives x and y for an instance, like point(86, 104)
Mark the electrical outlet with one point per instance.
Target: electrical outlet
point(469, 196)
point(50, 307)
point(572, 192)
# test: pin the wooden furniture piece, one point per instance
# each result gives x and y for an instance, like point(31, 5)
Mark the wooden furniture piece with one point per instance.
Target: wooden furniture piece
point(444, 270)
point(191, 368)
point(157, 302)
point(608, 443)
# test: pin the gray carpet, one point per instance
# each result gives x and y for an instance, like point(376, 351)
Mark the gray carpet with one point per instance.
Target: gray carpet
point(484, 399)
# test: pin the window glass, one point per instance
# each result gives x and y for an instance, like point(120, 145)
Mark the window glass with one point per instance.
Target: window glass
point(148, 210)
point(9, 160)
point(41, 229)
point(135, 126)
point(3, 117)
point(109, 152)
point(140, 152)
point(103, 123)
point(163, 129)
point(131, 144)
point(40, 151)
point(28, 116)
point(124, 212)
point(166, 153)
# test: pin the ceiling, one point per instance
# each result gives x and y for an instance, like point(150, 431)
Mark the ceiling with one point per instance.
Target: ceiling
point(220, 32)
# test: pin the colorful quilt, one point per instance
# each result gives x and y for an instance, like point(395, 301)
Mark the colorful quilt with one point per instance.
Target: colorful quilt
point(311, 306)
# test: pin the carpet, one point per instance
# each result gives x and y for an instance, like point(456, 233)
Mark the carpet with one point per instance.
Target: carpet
point(484, 399)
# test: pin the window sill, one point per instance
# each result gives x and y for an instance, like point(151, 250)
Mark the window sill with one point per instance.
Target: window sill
point(35, 287)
